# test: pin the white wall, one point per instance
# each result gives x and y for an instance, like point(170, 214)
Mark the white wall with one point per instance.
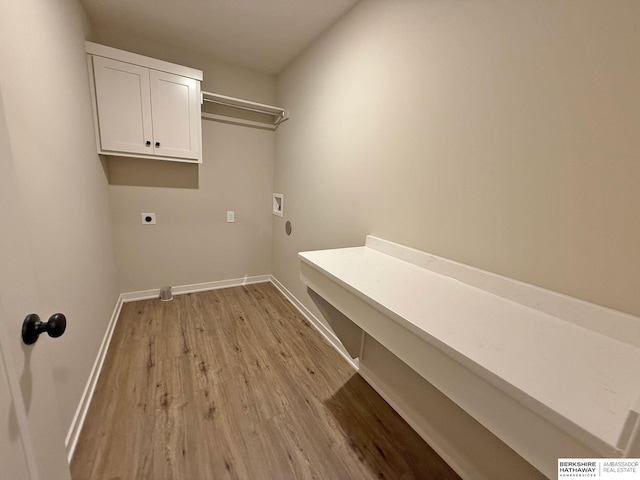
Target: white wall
point(502, 134)
point(61, 183)
point(192, 243)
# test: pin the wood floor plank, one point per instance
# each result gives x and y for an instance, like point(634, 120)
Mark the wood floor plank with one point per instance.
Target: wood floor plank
point(235, 384)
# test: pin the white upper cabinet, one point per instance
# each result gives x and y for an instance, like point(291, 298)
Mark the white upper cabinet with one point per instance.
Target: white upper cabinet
point(142, 111)
point(123, 98)
point(176, 109)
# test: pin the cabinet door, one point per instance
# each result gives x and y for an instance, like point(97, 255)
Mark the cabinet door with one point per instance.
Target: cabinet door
point(124, 106)
point(175, 102)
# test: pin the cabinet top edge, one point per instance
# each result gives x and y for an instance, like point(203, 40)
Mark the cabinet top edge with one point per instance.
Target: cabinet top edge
point(136, 59)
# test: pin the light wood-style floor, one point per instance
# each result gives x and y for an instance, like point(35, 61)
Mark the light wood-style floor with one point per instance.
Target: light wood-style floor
point(235, 384)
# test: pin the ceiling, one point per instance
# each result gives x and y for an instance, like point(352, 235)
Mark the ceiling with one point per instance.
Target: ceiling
point(265, 35)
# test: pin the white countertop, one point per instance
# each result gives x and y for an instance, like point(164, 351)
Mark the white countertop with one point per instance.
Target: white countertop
point(551, 365)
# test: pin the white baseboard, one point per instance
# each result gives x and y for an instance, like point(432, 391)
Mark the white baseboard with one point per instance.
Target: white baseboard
point(195, 287)
point(81, 412)
point(316, 323)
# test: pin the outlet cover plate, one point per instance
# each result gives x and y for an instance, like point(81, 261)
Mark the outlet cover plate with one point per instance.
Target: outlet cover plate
point(148, 218)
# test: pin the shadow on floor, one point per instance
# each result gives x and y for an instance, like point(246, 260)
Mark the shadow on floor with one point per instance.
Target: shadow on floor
point(381, 438)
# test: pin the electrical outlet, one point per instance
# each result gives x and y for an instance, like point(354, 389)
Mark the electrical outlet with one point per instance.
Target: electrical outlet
point(148, 218)
point(231, 216)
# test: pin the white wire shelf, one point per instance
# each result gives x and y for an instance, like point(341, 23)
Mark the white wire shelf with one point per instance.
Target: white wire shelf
point(277, 114)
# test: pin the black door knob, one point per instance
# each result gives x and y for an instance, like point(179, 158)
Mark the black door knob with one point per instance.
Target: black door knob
point(148, 143)
point(32, 327)
point(157, 144)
